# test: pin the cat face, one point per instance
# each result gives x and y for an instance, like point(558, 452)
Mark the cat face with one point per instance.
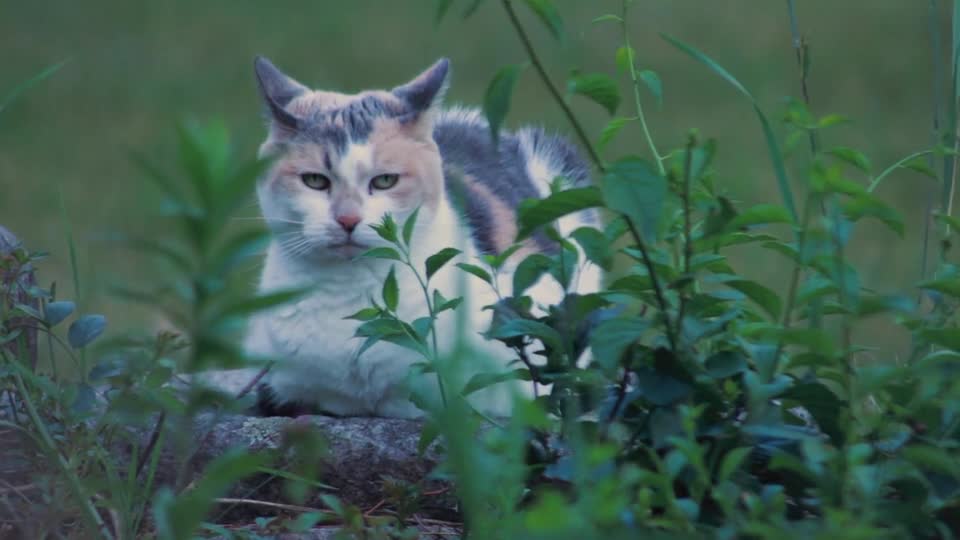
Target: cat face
point(342, 162)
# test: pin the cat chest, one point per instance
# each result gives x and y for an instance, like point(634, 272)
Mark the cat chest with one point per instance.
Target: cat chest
point(318, 325)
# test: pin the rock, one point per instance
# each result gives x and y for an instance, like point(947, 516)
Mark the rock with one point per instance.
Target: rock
point(360, 454)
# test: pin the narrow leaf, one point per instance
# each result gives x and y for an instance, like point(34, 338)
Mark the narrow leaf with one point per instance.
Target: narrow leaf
point(652, 80)
point(438, 259)
point(549, 15)
point(476, 271)
point(598, 87)
point(538, 212)
point(391, 291)
point(496, 100)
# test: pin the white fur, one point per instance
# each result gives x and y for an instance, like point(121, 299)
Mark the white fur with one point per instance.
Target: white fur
point(314, 346)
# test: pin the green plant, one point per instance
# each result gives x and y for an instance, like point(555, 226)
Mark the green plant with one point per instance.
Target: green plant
point(714, 405)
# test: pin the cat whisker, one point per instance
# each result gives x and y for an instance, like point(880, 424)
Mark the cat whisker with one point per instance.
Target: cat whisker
point(269, 220)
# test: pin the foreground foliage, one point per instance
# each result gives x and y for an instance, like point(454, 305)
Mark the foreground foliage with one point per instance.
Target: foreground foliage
point(715, 406)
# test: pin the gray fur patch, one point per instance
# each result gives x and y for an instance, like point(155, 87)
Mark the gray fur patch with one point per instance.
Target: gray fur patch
point(345, 125)
point(465, 146)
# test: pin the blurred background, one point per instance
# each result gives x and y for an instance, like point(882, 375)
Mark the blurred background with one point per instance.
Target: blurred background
point(136, 68)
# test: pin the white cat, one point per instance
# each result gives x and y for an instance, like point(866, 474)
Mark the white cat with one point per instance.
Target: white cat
point(341, 163)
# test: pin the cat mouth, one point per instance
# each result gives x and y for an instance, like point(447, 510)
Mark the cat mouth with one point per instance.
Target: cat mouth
point(348, 248)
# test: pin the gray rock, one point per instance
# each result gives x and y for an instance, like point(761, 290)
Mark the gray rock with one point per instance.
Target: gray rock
point(359, 454)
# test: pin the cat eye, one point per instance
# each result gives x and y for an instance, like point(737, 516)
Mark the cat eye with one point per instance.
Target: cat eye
point(315, 181)
point(384, 181)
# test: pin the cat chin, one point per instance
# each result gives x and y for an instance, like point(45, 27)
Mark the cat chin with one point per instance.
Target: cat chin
point(346, 251)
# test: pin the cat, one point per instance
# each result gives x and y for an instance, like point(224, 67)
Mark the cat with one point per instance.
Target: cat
point(340, 164)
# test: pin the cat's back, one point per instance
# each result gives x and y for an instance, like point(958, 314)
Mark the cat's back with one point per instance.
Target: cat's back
point(488, 181)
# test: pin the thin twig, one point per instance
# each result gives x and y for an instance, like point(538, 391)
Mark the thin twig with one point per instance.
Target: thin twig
point(253, 382)
point(800, 47)
point(154, 437)
point(687, 226)
point(535, 60)
point(278, 506)
point(655, 282)
point(635, 80)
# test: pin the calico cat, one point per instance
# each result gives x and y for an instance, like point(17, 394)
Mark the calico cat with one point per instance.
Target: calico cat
point(341, 162)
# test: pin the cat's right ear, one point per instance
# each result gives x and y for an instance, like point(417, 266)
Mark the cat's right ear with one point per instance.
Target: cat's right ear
point(277, 90)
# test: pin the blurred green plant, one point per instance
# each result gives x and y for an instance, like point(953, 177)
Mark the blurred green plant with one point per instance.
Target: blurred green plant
point(713, 406)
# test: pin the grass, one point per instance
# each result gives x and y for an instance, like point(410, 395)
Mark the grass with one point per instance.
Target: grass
point(134, 70)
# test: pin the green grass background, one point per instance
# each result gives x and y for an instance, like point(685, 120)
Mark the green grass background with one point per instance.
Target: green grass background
point(136, 68)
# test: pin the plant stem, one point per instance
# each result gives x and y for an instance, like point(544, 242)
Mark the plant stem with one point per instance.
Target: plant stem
point(655, 281)
point(687, 236)
point(794, 281)
point(433, 330)
point(88, 511)
point(535, 60)
point(634, 78)
point(800, 47)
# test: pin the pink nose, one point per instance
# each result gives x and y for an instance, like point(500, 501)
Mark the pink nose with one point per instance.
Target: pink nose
point(348, 222)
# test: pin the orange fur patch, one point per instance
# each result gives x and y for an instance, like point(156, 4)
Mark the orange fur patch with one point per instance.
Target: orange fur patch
point(417, 161)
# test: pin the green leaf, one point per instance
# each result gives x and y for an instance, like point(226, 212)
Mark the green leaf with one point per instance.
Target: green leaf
point(652, 80)
point(476, 271)
point(428, 434)
point(56, 312)
point(731, 463)
point(761, 214)
point(773, 148)
point(950, 221)
point(866, 205)
point(86, 329)
point(948, 285)
point(764, 297)
point(472, 8)
point(440, 11)
point(598, 87)
point(548, 14)
point(387, 229)
point(535, 213)
point(817, 399)
point(177, 518)
point(625, 58)
point(607, 17)
point(612, 128)
point(391, 291)
point(635, 189)
point(851, 156)
point(484, 380)
point(496, 100)
point(526, 327)
point(611, 338)
point(529, 271)
point(945, 337)
point(382, 253)
point(365, 314)
point(595, 246)
point(932, 458)
point(408, 226)
point(725, 364)
point(441, 304)
point(19, 89)
point(437, 260)
point(260, 302)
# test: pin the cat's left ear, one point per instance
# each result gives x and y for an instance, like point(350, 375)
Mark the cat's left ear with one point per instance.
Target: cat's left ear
point(424, 94)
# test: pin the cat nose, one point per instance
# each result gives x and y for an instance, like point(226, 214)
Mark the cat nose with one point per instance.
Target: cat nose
point(348, 222)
